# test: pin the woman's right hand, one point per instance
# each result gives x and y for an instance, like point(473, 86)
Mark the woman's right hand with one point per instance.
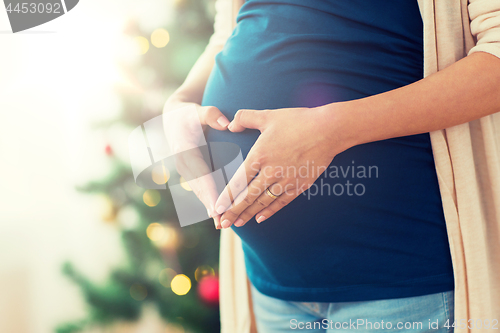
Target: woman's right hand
point(184, 124)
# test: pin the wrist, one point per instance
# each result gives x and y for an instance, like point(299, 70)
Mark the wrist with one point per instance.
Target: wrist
point(338, 126)
point(175, 101)
point(185, 94)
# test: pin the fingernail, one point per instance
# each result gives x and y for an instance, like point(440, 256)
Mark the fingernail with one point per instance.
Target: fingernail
point(239, 222)
point(208, 212)
point(220, 209)
point(261, 218)
point(226, 224)
point(223, 121)
point(230, 126)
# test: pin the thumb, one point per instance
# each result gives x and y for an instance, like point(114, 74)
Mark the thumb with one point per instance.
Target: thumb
point(214, 118)
point(253, 119)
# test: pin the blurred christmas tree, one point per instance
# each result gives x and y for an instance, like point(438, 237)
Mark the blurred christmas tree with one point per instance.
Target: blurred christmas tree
point(173, 268)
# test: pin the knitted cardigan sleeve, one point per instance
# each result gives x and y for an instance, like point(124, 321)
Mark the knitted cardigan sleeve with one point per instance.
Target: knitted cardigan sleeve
point(485, 25)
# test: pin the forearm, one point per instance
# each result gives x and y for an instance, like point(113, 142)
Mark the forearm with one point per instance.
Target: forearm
point(191, 90)
point(467, 90)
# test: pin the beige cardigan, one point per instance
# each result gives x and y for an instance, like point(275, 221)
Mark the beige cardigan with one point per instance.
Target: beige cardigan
point(467, 159)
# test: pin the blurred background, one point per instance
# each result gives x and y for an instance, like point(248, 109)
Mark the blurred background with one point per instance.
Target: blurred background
point(82, 247)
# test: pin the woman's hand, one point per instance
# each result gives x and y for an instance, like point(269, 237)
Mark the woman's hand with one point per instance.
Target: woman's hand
point(184, 124)
point(295, 147)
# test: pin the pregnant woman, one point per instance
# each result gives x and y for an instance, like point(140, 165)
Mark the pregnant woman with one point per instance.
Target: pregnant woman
point(328, 104)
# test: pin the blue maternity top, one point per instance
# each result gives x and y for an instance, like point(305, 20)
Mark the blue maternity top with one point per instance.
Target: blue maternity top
point(372, 226)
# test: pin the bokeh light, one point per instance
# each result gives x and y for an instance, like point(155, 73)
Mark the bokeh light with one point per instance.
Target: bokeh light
point(185, 184)
point(155, 231)
point(160, 174)
point(160, 38)
point(165, 277)
point(179, 3)
point(203, 271)
point(151, 197)
point(142, 44)
point(128, 217)
point(107, 208)
point(170, 238)
point(180, 284)
point(138, 292)
point(163, 235)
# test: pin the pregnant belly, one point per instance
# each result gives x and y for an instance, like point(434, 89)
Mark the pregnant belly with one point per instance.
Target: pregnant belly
point(375, 199)
point(246, 76)
point(366, 180)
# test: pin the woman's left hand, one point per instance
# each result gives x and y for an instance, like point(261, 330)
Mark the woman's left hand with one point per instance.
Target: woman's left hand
point(295, 147)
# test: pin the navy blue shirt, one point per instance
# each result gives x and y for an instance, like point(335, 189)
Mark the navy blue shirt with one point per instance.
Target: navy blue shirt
point(372, 226)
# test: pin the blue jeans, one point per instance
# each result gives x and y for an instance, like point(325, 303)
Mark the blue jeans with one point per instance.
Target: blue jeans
point(427, 313)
